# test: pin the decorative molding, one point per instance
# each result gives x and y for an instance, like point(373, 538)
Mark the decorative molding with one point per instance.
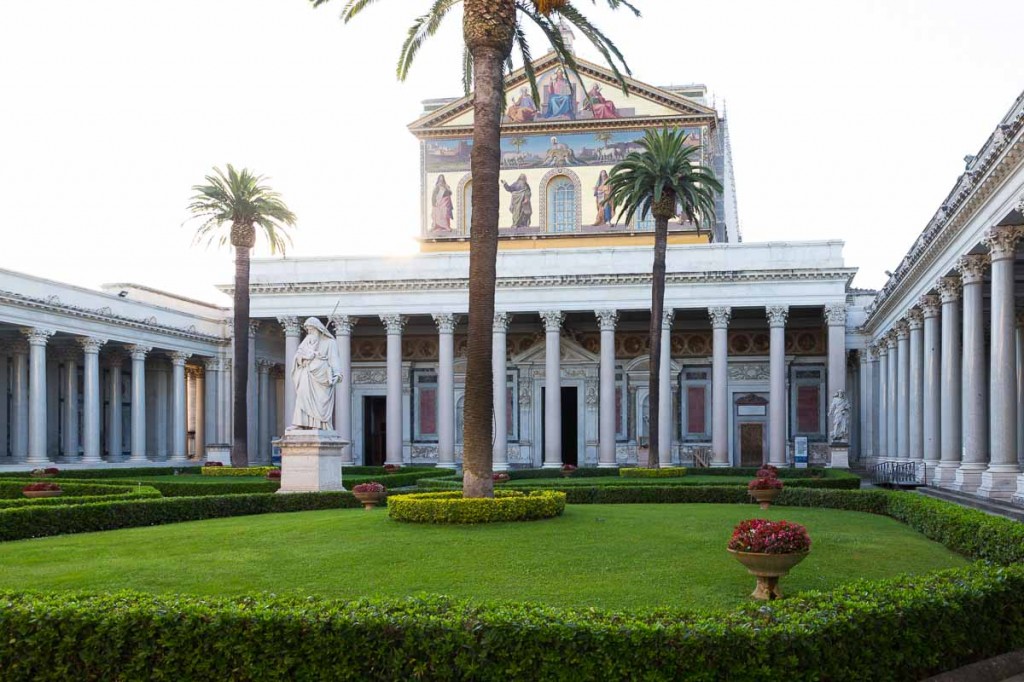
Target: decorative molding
point(37, 336)
point(552, 320)
point(950, 289)
point(393, 322)
point(972, 268)
point(90, 344)
point(291, 326)
point(446, 322)
point(835, 314)
point(720, 316)
point(369, 376)
point(749, 371)
point(777, 315)
point(525, 394)
point(607, 319)
point(1002, 242)
point(931, 305)
point(591, 395)
point(343, 324)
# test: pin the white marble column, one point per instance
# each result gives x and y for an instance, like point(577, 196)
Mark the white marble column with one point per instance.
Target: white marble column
point(69, 428)
point(499, 367)
point(882, 350)
point(92, 400)
point(138, 403)
point(343, 325)
point(607, 319)
point(932, 448)
point(871, 403)
point(115, 429)
point(225, 392)
point(720, 317)
point(162, 409)
point(915, 412)
point(777, 316)
point(37, 339)
point(394, 324)
point(665, 407)
point(6, 423)
point(252, 426)
point(446, 390)
point(199, 412)
point(949, 392)
point(975, 396)
point(1000, 479)
point(552, 388)
point(892, 398)
point(1018, 497)
point(292, 331)
point(179, 430)
point(19, 400)
point(903, 391)
point(212, 401)
point(835, 317)
point(263, 406)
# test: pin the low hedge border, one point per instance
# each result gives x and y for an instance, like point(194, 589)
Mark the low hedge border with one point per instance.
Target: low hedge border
point(79, 494)
point(849, 482)
point(236, 471)
point(452, 508)
point(112, 472)
point(662, 472)
point(897, 629)
point(39, 521)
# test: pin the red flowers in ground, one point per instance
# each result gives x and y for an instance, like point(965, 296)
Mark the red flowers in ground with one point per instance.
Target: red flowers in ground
point(765, 484)
point(501, 477)
point(569, 468)
point(762, 536)
point(371, 487)
point(274, 474)
point(38, 487)
point(391, 468)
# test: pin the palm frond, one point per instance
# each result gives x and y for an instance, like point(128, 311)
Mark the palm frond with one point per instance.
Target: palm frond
point(422, 28)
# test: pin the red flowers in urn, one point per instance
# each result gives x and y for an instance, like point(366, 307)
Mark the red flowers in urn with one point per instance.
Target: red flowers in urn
point(42, 490)
point(391, 468)
point(766, 486)
point(568, 469)
point(370, 494)
point(501, 477)
point(274, 475)
point(48, 472)
point(769, 549)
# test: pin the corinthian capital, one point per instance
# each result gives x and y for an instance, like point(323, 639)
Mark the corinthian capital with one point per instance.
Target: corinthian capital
point(902, 329)
point(393, 322)
point(949, 289)
point(835, 314)
point(777, 315)
point(446, 322)
point(930, 305)
point(37, 336)
point(972, 268)
point(720, 316)
point(607, 319)
point(343, 324)
point(552, 319)
point(915, 320)
point(501, 321)
point(1002, 241)
point(291, 325)
point(139, 352)
point(91, 344)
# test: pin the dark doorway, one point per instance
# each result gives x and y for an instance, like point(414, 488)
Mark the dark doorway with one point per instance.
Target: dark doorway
point(375, 409)
point(570, 424)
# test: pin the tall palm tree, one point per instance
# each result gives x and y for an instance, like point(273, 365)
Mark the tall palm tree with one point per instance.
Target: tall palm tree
point(491, 29)
point(242, 200)
point(664, 175)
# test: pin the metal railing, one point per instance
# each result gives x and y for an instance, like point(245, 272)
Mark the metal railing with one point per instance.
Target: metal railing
point(900, 474)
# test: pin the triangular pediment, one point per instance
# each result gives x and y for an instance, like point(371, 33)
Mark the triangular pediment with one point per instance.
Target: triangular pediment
point(568, 101)
point(570, 352)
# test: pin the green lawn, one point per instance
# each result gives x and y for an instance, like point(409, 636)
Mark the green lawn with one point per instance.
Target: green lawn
point(613, 556)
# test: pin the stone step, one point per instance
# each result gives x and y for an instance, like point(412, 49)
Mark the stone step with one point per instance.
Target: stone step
point(995, 507)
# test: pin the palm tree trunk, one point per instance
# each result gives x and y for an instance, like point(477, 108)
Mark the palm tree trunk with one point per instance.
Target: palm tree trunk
point(657, 311)
point(239, 445)
point(488, 27)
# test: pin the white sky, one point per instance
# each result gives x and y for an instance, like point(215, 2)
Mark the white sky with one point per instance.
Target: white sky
point(849, 120)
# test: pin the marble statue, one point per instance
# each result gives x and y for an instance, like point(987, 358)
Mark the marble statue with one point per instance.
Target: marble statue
point(315, 371)
point(839, 418)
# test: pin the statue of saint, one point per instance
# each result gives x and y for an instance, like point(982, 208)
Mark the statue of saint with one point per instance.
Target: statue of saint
point(520, 207)
point(315, 371)
point(839, 418)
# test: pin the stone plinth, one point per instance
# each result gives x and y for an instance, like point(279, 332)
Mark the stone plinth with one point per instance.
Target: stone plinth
point(219, 453)
point(310, 460)
point(840, 456)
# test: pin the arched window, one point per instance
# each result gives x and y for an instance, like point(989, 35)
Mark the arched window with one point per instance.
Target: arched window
point(561, 205)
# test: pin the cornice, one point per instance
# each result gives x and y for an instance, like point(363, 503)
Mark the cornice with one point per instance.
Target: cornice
point(583, 125)
point(1001, 154)
point(54, 305)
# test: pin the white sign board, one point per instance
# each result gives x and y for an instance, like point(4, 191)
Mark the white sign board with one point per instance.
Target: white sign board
point(800, 452)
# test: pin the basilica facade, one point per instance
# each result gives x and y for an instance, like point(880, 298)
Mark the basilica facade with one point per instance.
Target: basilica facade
point(758, 337)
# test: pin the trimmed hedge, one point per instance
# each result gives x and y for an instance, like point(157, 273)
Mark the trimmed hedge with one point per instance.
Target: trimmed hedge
point(74, 493)
point(39, 521)
point(451, 507)
point(847, 482)
point(112, 472)
point(662, 472)
point(899, 629)
point(237, 471)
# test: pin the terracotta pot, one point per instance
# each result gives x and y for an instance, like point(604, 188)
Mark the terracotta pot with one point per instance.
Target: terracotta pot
point(370, 500)
point(42, 493)
point(768, 568)
point(766, 496)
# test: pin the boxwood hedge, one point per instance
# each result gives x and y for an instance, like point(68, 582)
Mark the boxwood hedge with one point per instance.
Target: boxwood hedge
point(74, 493)
point(645, 472)
point(452, 507)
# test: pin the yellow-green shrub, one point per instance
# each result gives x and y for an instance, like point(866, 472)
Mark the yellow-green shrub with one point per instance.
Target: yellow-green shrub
point(237, 471)
point(452, 507)
point(665, 472)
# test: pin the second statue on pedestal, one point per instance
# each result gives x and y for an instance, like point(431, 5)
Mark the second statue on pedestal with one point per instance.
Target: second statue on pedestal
point(316, 370)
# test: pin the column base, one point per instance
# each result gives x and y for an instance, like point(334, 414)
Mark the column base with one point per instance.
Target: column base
point(929, 470)
point(945, 474)
point(500, 466)
point(453, 465)
point(38, 460)
point(92, 461)
point(968, 478)
point(551, 465)
point(1000, 484)
point(607, 465)
point(1018, 497)
point(310, 461)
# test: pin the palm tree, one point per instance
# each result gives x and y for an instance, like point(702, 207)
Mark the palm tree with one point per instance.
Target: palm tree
point(241, 199)
point(491, 29)
point(665, 175)
point(604, 137)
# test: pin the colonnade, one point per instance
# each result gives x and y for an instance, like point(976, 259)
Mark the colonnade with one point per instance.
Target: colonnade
point(947, 399)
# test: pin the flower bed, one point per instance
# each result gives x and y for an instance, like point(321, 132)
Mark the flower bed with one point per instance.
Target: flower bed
point(661, 472)
point(769, 537)
point(451, 507)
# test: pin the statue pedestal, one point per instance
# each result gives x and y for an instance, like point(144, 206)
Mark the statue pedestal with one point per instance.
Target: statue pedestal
point(310, 460)
point(219, 452)
point(840, 456)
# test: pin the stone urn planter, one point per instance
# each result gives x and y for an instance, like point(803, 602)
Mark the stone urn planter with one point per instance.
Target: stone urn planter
point(42, 493)
point(370, 499)
point(768, 568)
point(765, 496)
